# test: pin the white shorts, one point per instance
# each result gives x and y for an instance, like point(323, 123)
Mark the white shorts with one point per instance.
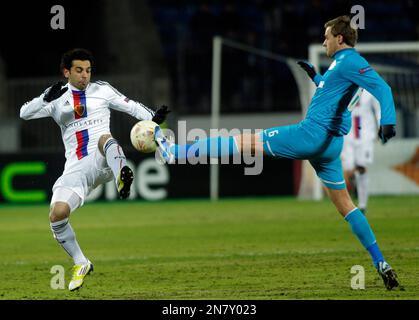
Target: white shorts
point(357, 153)
point(89, 172)
point(68, 196)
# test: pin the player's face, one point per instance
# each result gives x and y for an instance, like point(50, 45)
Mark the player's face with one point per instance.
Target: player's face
point(331, 43)
point(79, 74)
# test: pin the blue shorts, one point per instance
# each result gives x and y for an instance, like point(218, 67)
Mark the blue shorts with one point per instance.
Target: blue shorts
point(308, 141)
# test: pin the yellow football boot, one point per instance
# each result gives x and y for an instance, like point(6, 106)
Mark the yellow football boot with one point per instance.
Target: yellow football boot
point(80, 271)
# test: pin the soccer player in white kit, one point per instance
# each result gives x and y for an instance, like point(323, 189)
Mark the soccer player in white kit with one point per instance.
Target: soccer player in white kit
point(358, 146)
point(93, 157)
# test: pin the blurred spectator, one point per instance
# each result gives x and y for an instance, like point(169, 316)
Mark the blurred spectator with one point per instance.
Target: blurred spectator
point(251, 85)
point(315, 17)
point(412, 8)
point(282, 26)
point(289, 42)
point(230, 22)
point(203, 26)
point(231, 26)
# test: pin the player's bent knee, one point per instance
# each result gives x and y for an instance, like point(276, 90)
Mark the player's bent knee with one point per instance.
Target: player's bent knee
point(341, 200)
point(361, 170)
point(59, 211)
point(239, 142)
point(63, 202)
point(249, 143)
point(102, 141)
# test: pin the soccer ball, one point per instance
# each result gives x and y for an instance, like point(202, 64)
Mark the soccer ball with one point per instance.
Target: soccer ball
point(142, 136)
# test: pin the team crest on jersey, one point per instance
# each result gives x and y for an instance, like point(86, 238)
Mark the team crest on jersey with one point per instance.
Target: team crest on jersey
point(79, 109)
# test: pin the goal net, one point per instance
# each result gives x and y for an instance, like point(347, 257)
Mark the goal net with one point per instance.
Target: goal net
point(254, 84)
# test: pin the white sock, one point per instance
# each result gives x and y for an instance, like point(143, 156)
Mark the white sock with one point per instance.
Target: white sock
point(362, 189)
point(65, 236)
point(115, 157)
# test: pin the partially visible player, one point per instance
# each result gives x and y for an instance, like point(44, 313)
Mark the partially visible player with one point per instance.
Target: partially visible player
point(319, 137)
point(93, 157)
point(358, 145)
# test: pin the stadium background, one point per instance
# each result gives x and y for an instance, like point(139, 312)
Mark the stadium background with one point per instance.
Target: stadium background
point(160, 52)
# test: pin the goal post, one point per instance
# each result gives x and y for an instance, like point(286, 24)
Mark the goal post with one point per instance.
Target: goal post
point(216, 85)
point(215, 110)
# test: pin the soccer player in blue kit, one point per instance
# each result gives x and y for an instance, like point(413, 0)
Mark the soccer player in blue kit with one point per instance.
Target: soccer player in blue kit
point(319, 137)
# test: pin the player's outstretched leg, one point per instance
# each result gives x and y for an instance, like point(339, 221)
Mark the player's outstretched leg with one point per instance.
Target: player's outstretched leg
point(214, 147)
point(165, 146)
point(117, 161)
point(124, 181)
point(362, 230)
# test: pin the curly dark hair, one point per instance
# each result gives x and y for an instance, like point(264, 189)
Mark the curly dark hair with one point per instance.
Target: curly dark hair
point(75, 54)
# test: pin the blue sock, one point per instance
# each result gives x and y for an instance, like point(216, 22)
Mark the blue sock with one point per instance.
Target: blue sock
point(216, 147)
point(375, 253)
point(361, 228)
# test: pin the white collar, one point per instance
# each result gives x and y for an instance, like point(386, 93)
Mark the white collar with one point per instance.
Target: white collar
point(73, 88)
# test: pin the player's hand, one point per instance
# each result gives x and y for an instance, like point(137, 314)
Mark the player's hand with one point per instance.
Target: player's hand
point(161, 114)
point(308, 67)
point(55, 92)
point(386, 132)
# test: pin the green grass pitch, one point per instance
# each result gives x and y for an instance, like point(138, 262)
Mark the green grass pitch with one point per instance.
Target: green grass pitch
point(257, 248)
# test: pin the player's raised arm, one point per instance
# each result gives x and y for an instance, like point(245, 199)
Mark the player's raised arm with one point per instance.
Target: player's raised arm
point(311, 71)
point(376, 109)
point(362, 74)
point(41, 106)
point(35, 109)
point(161, 114)
point(358, 71)
point(119, 102)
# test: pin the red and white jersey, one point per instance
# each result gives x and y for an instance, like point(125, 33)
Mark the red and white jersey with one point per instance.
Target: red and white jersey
point(365, 118)
point(84, 116)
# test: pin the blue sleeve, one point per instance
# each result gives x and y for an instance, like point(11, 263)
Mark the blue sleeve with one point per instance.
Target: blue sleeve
point(317, 79)
point(357, 70)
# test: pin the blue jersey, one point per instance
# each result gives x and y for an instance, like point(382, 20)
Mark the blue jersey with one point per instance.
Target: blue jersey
point(336, 88)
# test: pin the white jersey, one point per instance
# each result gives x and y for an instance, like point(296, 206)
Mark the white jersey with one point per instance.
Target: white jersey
point(83, 116)
point(365, 118)
point(358, 146)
